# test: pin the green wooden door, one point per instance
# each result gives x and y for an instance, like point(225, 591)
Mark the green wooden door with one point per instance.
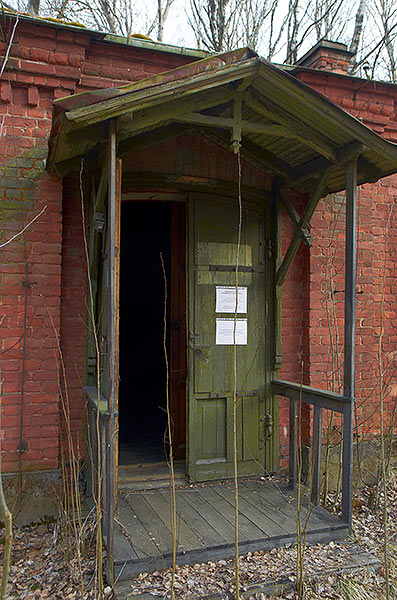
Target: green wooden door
point(213, 228)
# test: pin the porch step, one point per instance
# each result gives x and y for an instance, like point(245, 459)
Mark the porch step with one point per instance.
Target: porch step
point(205, 514)
point(150, 476)
point(355, 559)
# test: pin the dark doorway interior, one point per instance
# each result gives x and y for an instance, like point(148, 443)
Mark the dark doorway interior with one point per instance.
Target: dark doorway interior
point(145, 232)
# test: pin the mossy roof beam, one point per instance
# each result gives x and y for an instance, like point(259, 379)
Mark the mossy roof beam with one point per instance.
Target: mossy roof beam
point(287, 128)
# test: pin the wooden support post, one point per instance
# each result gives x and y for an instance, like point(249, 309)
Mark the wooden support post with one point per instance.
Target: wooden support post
point(237, 123)
point(349, 348)
point(276, 217)
point(293, 416)
point(112, 186)
point(316, 453)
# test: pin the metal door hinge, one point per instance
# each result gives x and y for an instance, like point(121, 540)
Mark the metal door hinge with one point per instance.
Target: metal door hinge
point(91, 365)
point(267, 420)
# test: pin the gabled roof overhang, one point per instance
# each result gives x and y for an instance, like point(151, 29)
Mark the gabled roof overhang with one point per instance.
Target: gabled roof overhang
point(287, 128)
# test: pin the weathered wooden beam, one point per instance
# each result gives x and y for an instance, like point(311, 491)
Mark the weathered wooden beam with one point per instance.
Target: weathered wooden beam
point(150, 180)
point(228, 123)
point(111, 325)
point(294, 216)
point(316, 166)
point(307, 171)
point(350, 152)
point(102, 185)
point(304, 393)
point(93, 134)
point(69, 166)
point(256, 154)
point(237, 124)
point(325, 113)
point(303, 224)
point(371, 171)
point(242, 84)
point(349, 338)
point(292, 450)
point(149, 98)
point(154, 136)
point(134, 123)
point(316, 453)
point(302, 132)
point(276, 217)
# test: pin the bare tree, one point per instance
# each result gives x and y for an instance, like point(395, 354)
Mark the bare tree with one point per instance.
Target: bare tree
point(386, 21)
point(120, 17)
point(293, 27)
point(33, 7)
point(375, 41)
point(221, 25)
point(214, 23)
point(358, 30)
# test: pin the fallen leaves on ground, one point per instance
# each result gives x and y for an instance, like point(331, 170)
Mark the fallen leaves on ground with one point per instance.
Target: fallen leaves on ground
point(44, 564)
point(43, 567)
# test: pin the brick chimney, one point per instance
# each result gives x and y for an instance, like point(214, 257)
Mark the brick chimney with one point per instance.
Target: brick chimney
point(327, 56)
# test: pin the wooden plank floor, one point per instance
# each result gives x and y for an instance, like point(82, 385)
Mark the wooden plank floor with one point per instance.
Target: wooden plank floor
point(205, 524)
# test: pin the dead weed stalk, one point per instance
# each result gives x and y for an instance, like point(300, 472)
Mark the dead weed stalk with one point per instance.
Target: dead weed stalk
point(7, 516)
point(170, 458)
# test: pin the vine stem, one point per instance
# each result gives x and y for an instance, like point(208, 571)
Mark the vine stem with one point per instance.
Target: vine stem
point(235, 465)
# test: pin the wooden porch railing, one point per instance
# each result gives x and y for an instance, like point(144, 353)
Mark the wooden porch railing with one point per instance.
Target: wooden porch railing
point(320, 399)
point(99, 463)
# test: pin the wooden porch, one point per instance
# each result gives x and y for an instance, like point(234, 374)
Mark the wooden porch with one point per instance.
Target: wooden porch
point(205, 529)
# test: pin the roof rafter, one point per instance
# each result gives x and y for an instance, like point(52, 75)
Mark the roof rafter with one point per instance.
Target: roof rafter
point(316, 166)
point(303, 133)
point(254, 153)
point(227, 123)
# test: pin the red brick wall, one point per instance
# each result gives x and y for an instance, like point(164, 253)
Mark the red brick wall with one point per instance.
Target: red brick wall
point(377, 203)
point(46, 63)
point(195, 156)
point(73, 322)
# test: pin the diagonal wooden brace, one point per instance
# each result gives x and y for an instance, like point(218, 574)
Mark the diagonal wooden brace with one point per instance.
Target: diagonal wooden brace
point(303, 224)
point(295, 218)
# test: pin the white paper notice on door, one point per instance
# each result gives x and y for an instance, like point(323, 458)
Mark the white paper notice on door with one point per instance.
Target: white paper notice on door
point(226, 299)
point(225, 332)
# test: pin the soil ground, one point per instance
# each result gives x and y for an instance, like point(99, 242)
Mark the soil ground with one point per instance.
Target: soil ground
point(45, 564)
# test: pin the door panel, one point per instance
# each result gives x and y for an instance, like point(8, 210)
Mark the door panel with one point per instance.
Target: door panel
point(213, 229)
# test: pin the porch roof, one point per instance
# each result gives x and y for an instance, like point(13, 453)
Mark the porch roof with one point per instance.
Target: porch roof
point(287, 128)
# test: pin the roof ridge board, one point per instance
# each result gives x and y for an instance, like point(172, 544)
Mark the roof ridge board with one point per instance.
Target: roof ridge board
point(97, 112)
point(214, 62)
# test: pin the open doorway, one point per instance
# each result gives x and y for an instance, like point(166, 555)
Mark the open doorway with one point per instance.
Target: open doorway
point(148, 229)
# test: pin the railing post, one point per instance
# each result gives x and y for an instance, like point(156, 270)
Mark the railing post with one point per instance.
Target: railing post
point(316, 453)
point(349, 349)
point(292, 444)
point(102, 467)
point(91, 468)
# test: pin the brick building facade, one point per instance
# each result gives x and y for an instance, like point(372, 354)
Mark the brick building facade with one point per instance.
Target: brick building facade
point(43, 274)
